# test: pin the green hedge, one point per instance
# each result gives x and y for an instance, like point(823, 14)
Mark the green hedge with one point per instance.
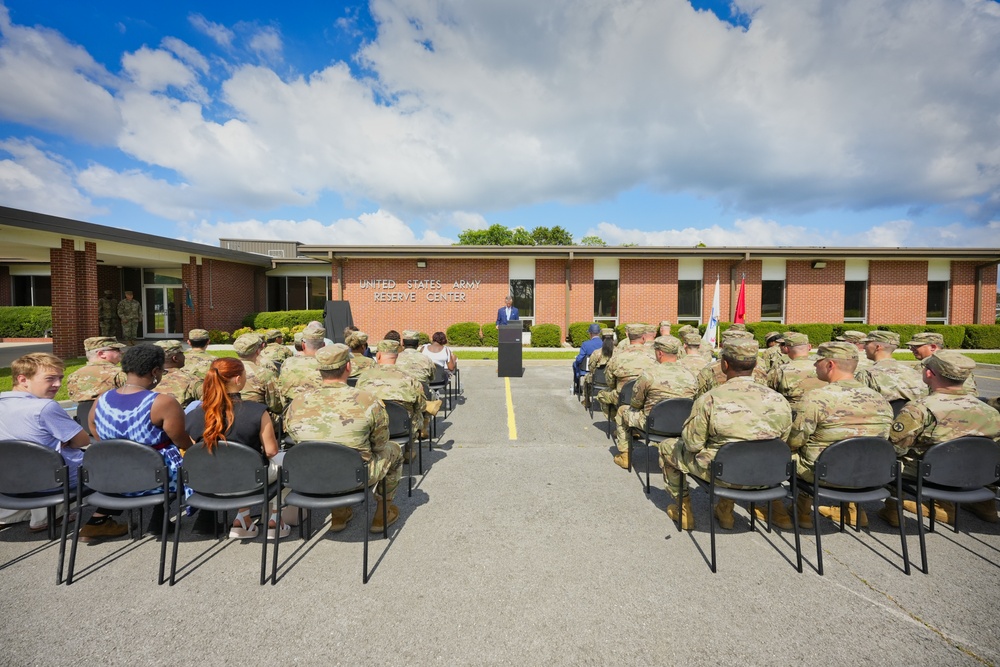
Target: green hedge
point(285, 318)
point(578, 333)
point(25, 321)
point(546, 335)
point(217, 337)
point(982, 336)
point(464, 334)
point(491, 335)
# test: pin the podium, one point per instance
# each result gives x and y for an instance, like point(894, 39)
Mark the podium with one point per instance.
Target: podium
point(509, 351)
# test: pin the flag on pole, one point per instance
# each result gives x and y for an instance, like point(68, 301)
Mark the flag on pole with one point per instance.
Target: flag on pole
point(187, 297)
point(741, 303)
point(712, 330)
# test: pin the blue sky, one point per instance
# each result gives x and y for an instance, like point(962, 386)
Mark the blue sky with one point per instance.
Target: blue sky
point(657, 122)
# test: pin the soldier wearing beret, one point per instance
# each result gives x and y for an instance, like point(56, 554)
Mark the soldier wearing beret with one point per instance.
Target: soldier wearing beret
point(198, 359)
point(260, 386)
point(102, 371)
point(948, 412)
point(626, 364)
point(390, 383)
point(842, 409)
point(275, 350)
point(926, 343)
point(739, 409)
point(301, 372)
point(889, 377)
point(410, 361)
point(666, 379)
point(798, 376)
point(107, 314)
point(337, 412)
point(182, 384)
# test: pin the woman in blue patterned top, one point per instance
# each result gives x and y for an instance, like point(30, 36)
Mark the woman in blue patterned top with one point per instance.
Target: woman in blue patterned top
point(134, 412)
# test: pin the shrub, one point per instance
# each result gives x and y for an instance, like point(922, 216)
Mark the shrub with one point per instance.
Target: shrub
point(286, 318)
point(546, 335)
point(620, 330)
point(236, 334)
point(982, 337)
point(491, 335)
point(464, 334)
point(578, 333)
point(954, 334)
point(424, 338)
point(248, 320)
point(219, 337)
point(25, 321)
point(839, 329)
point(818, 333)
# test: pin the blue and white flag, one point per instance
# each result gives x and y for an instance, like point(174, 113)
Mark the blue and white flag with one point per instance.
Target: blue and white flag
point(712, 329)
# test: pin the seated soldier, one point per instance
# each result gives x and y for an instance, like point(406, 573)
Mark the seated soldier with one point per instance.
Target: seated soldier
point(389, 383)
point(198, 358)
point(260, 386)
point(412, 362)
point(739, 409)
point(693, 359)
point(926, 343)
point(101, 373)
point(798, 376)
point(626, 364)
point(712, 375)
point(275, 351)
point(772, 355)
point(358, 342)
point(182, 384)
point(599, 358)
point(889, 377)
point(299, 372)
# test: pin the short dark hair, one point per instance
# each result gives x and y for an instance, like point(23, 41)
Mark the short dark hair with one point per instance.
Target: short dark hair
point(392, 334)
point(740, 365)
point(142, 359)
point(439, 338)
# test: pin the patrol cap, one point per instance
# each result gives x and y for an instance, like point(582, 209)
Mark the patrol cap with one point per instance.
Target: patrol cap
point(248, 343)
point(198, 334)
point(852, 336)
point(879, 336)
point(650, 329)
point(594, 329)
point(837, 350)
point(692, 339)
point(333, 357)
point(740, 349)
point(102, 343)
point(635, 330)
point(170, 346)
point(410, 334)
point(772, 335)
point(272, 335)
point(925, 338)
point(388, 346)
point(738, 326)
point(667, 344)
point(731, 333)
point(313, 333)
point(664, 323)
point(795, 338)
point(950, 364)
point(107, 292)
point(607, 332)
point(687, 328)
point(297, 337)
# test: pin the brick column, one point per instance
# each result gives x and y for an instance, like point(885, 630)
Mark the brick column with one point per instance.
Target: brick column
point(88, 323)
point(754, 270)
point(191, 275)
point(713, 268)
point(62, 262)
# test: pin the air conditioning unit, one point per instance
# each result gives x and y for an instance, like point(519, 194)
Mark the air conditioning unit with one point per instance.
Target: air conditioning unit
point(276, 253)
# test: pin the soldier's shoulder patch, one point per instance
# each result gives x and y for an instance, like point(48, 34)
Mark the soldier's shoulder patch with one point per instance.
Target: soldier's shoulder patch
point(897, 426)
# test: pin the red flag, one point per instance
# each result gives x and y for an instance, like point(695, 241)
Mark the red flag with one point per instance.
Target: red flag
point(741, 304)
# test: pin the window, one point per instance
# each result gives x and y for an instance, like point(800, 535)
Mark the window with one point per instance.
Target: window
point(689, 301)
point(937, 302)
point(855, 300)
point(297, 292)
point(606, 301)
point(318, 292)
point(522, 291)
point(772, 300)
point(32, 290)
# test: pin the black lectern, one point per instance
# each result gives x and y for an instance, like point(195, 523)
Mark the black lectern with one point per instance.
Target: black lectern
point(509, 351)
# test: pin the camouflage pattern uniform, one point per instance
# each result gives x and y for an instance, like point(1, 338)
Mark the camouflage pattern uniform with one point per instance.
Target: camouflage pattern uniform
point(711, 376)
point(359, 364)
point(771, 358)
point(197, 360)
point(694, 362)
point(893, 380)
point(92, 380)
point(261, 386)
point(338, 413)
point(625, 365)
point(129, 312)
point(416, 365)
point(936, 339)
point(660, 382)
point(298, 374)
point(594, 361)
point(794, 379)
point(181, 384)
point(107, 314)
point(855, 337)
point(389, 383)
point(275, 353)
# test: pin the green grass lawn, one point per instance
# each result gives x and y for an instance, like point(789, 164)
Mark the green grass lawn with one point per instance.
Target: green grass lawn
point(527, 354)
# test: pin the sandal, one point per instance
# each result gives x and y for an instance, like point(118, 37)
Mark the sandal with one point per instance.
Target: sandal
point(243, 531)
point(282, 532)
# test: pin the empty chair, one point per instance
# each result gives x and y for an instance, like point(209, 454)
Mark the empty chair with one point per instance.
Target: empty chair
point(399, 431)
point(325, 475)
point(854, 470)
point(766, 464)
point(664, 421)
point(957, 471)
point(32, 477)
point(114, 471)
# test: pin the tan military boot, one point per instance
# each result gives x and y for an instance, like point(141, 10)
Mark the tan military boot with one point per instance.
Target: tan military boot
point(985, 510)
point(377, 520)
point(687, 517)
point(803, 511)
point(889, 514)
point(853, 514)
point(944, 512)
point(779, 515)
point(724, 513)
point(340, 517)
point(622, 459)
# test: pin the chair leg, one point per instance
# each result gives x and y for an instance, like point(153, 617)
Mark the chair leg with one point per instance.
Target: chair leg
point(364, 561)
point(711, 524)
point(263, 541)
point(958, 506)
point(420, 454)
point(819, 542)
point(409, 469)
point(648, 464)
point(50, 516)
point(163, 537)
point(177, 532)
point(76, 534)
point(920, 533)
point(63, 532)
point(795, 527)
point(902, 533)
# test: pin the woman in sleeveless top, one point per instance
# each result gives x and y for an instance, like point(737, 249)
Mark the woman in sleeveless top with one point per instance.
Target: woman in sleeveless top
point(439, 352)
point(222, 417)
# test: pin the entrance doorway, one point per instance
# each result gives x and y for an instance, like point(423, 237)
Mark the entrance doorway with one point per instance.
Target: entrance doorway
point(162, 312)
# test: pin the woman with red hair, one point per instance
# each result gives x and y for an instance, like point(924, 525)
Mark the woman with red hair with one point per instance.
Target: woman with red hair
point(222, 417)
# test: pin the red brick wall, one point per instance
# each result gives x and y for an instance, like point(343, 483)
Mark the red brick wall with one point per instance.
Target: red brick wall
point(581, 292)
point(962, 293)
point(814, 295)
point(897, 292)
point(74, 297)
point(550, 293)
point(711, 269)
point(224, 293)
point(647, 290)
point(987, 307)
point(753, 271)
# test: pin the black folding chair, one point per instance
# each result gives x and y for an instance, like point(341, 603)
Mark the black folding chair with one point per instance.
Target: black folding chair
point(32, 477)
point(399, 431)
point(229, 477)
point(83, 409)
point(897, 406)
point(766, 464)
point(664, 421)
point(957, 471)
point(325, 475)
point(599, 382)
point(111, 470)
point(855, 470)
point(432, 431)
point(442, 381)
point(624, 398)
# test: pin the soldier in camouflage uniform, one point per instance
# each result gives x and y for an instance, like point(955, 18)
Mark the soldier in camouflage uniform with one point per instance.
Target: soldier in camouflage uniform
point(130, 313)
point(857, 339)
point(712, 375)
point(301, 372)
point(842, 409)
point(260, 386)
point(275, 351)
point(772, 355)
point(793, 379)
point(626, 364)
point(411, 361)
point(101, 373)
point(948, 412)
point(599, 358)
point(107, 314)
point(337, 412)
point(738, 410)
point(692, 358)
point(924, 344)
point(703, 349)
point(198, 358)
point(889, 377)
point(667, 379)
point(358, 342)
point(391, 383)
point(183, 385)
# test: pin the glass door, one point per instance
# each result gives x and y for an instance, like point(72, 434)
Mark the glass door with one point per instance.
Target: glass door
point(161, 310)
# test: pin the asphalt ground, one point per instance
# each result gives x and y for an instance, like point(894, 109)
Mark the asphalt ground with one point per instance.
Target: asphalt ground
point(523, 544)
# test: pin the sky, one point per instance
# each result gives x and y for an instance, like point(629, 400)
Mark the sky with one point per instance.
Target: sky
point(650, 122)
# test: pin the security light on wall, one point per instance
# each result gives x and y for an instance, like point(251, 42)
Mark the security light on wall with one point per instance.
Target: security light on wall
point(819, 265)
point(421, 264)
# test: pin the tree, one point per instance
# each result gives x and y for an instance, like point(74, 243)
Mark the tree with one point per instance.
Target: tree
point(551, 236)
point(493, 235)
point(500, 235)
point(593, 240)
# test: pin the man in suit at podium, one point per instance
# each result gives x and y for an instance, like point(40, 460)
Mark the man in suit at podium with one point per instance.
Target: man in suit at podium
point(508, 313)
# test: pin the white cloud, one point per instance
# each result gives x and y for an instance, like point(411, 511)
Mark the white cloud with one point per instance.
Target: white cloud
point(155, 71)
point(219, 33)
point(266, 42)
point(38, 181)
point(173, 202)
point(187, 53)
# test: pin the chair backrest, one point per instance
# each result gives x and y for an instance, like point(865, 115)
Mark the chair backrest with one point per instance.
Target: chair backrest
point(625, 395)
point(668, 416)
point(965, 463)
point(440, 375)
point(399, 420)
point(122, 466)
point(857, 463)
point(352, 381)
point(599, 376)
point(427, 391)
point(323, 468)
point(27, 467)
point(83, 409)
point(229, 468)
point(753, 462)
point(897, 405)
